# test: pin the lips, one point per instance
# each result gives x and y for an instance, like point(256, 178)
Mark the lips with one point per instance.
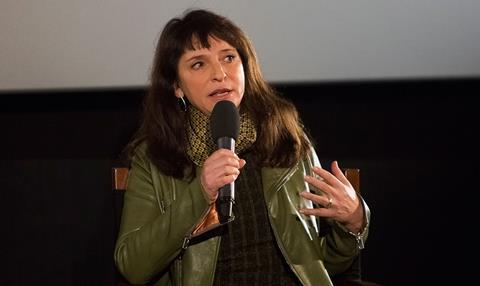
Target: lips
point(220, 92)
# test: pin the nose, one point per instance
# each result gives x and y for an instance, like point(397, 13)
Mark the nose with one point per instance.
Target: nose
point(218, 73)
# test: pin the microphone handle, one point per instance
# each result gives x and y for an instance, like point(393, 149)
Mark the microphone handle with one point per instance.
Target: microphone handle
point(225, 203)
point(226, 194)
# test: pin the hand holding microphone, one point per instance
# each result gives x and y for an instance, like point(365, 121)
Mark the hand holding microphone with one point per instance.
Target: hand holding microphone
point(221, 169)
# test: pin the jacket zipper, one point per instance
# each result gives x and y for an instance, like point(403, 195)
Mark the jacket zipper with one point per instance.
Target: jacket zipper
point(188, 237)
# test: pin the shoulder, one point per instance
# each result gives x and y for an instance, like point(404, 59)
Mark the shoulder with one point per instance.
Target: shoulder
point(140, 156)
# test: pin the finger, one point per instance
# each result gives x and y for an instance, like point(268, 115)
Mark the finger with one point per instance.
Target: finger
point(215, 181)
point(320, 200)
point(319, 185)
point(224, 152)
point(242, 163)
point(219, 173)
point(328, 177)
point(225, 180)
point(320, 212)
point(227, 171)
point(218, 161)
point(337, 172)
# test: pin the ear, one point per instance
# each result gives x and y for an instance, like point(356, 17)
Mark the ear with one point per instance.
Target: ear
point(178, 90)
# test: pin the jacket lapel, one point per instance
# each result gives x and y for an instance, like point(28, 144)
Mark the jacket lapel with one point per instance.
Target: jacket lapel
point(289, 181)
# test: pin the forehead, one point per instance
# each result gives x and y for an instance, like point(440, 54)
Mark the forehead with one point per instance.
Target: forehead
point(212, 44)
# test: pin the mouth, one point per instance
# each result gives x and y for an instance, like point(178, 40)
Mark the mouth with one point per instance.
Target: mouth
point(220, 92)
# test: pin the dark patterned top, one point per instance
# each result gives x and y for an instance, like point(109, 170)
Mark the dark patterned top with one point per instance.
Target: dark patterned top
point(249, 254)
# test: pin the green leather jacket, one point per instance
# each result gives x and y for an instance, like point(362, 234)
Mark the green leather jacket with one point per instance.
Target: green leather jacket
point(161, 214)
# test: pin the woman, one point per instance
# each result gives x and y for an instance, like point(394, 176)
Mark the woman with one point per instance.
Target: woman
point(170, 234)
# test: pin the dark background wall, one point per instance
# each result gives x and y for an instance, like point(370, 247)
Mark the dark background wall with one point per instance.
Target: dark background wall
point(414, 141)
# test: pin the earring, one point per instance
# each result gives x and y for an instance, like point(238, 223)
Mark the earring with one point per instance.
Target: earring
point(182, 103)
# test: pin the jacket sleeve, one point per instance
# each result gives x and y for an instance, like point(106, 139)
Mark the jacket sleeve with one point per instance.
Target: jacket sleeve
point(156, 218)
point(340, 247)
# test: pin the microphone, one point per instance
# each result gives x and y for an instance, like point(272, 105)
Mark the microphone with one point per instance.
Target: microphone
point(225, 126)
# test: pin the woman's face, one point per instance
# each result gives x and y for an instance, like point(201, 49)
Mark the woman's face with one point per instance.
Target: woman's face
point(206, 76)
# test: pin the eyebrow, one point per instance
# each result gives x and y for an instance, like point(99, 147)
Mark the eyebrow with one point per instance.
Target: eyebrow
point(226, 50)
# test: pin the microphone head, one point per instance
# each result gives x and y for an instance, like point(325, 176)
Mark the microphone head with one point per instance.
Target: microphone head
point(224, 120)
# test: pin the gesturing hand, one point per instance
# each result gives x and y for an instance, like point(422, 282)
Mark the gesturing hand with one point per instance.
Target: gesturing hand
point(337, 196)
point(221, 168)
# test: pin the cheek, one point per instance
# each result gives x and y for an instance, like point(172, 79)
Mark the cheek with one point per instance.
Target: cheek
point(240, 75)
point(189, 83)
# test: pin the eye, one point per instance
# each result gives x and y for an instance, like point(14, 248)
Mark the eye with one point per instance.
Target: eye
point(197, 65)
point(230, 58)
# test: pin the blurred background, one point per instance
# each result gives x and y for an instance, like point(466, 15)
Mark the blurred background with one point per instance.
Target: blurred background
point(386, 87)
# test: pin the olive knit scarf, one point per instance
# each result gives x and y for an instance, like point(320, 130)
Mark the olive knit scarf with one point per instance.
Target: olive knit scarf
point(200, 143)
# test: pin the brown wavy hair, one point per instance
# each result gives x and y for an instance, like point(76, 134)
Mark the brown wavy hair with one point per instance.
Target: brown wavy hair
point(281, 140)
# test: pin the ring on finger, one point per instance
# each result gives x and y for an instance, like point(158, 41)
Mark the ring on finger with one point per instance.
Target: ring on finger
point(329, 204)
